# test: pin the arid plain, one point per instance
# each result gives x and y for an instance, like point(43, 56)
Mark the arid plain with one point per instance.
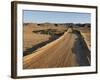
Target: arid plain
point(51, 45)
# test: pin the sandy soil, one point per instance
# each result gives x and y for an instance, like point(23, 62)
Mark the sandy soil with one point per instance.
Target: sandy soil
point(66, 51)
point(32, 39)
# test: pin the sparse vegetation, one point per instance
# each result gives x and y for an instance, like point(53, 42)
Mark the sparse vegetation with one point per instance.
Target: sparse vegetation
point(49, 32)
point(35, 34)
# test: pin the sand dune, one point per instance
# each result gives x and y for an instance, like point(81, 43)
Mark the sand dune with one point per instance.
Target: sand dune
point(59, 53)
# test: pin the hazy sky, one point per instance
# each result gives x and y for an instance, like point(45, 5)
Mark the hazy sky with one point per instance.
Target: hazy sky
point(55, 17)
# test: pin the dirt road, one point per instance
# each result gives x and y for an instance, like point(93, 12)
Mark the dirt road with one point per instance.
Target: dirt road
point(59, 53)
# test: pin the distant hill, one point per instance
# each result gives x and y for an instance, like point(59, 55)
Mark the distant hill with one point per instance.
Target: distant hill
point(60, 24)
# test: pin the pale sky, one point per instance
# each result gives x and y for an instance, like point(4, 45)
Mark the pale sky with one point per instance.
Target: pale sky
point(30, 16)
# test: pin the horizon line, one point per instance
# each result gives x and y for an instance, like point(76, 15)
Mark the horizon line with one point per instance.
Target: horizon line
point(57, 22)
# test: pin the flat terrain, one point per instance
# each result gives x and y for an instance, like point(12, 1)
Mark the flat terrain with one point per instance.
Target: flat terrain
point(68, 50)
point(30, 38)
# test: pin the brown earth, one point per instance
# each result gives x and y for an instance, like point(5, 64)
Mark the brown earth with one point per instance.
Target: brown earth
point(31, 39)
point(66, 51)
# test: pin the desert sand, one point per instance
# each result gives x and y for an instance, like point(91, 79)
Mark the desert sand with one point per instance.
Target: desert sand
point(67, 51)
